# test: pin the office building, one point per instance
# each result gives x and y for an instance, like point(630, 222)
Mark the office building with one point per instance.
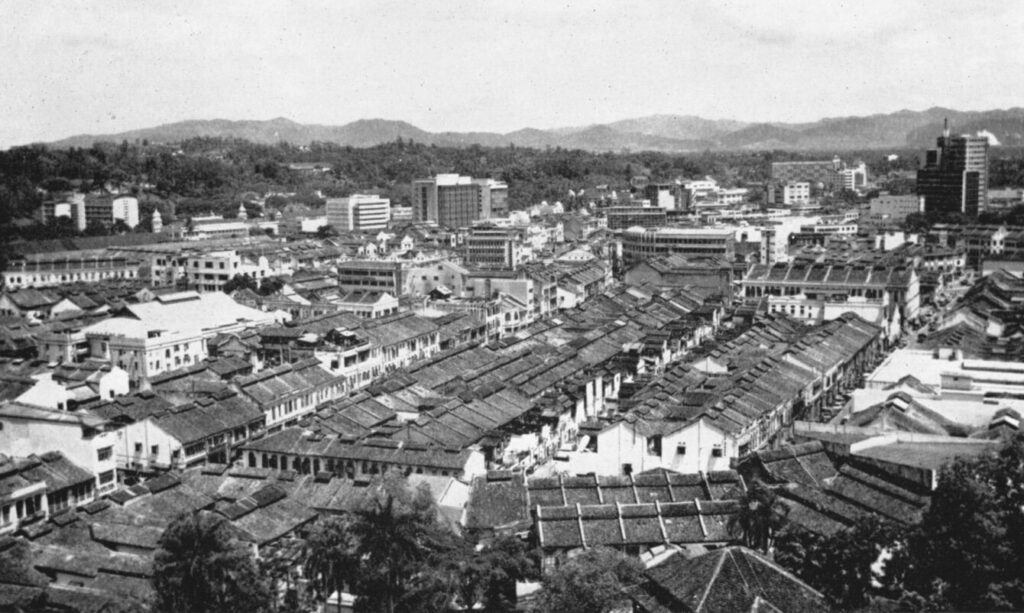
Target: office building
point(455, 201)
point(663, 195)
point(358, 213)
point(955, 176)
point(854, 178)
point(492, 247)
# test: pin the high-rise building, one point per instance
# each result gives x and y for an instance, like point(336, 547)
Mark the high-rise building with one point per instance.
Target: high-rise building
point(955, 175)
point(455, 201)
point(358, 213)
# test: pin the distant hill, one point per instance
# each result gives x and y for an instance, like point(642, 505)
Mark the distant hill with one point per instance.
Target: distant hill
point(668, 133)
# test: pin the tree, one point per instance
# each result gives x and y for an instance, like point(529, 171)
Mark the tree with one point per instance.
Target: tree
point(331, 558)
point(397, 531)
point(968, 550)
point(270, 285)
point(843, 566)
point(240, 281)
point(486, 574)
point(761, 515)
point(96, 228)
point(591, 582)
point(200, 567)
point(389, 550)
point(326, 231)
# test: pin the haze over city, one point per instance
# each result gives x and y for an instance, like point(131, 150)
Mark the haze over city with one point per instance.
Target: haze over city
point(103, 67)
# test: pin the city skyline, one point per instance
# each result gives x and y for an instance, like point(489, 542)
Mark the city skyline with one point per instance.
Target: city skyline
point(116, 66)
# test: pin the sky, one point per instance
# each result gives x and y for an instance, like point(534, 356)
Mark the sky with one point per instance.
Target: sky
point(78, 66)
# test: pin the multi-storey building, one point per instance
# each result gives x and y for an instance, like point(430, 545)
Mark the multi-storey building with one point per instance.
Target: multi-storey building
point(51, 270)
point(86, 440)
point(825, 172)
point(622, 217)
point(640, 244)
point(884, 296)
point(955, 175)
point(894, 208)
point(492, 247)
point(796, 192)
point(210, 271)
point(455, 201)
point(170, 332)
point(664, 195)
point(359, 213)
point(84, 210)
point(853, 178)
point(363, 275)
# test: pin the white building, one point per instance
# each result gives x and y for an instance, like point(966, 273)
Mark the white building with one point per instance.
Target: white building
point(86, 440)
point(170, 332)
point(358, 213)
point(126, 209)
point(796, 192)
point(854, 178)
point(209, 271)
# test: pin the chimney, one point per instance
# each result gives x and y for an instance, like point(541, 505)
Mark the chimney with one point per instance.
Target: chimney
point(945, 127)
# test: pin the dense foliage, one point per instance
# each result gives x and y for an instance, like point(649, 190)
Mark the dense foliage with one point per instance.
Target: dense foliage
point(965, 555)
point(592, 582)
point(968, 551)
point(393, 553)
point(201, 567)
point(204, 174)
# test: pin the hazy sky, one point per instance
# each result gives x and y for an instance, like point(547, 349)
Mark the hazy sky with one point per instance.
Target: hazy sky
point(69, 67)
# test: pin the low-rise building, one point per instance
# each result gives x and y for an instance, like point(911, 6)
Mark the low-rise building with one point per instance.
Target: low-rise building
point(35, 487)
point(52, 270)
point(86, 440)
point(170, 332)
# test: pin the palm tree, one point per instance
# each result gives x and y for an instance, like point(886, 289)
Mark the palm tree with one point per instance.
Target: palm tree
point(760, 517)
point(201, 567)
point(331, 558)
point(399, 540)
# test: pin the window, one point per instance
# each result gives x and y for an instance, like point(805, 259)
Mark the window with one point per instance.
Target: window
point(716, 451)
point(105, 453)
point(681, 449)
point(106, 477)
point(154, 450)
point(138, 447)
point(654, 445)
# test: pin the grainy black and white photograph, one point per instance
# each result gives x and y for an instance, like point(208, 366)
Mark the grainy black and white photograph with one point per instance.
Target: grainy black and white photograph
point(380, 306)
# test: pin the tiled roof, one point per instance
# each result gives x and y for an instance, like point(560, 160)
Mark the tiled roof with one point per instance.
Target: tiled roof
point(648, 524)
point(727, 579)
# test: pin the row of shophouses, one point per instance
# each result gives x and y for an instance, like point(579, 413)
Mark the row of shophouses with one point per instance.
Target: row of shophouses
point(629, 381)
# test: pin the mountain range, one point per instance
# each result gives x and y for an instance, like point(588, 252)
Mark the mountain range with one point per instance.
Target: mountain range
point(666, 133)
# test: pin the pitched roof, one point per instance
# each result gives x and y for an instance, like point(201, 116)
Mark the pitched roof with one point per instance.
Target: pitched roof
point(727, 579)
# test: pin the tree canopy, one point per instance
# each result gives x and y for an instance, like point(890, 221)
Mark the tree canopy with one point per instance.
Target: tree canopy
point(201, 567)
point(968, 551)
point(592, 582)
